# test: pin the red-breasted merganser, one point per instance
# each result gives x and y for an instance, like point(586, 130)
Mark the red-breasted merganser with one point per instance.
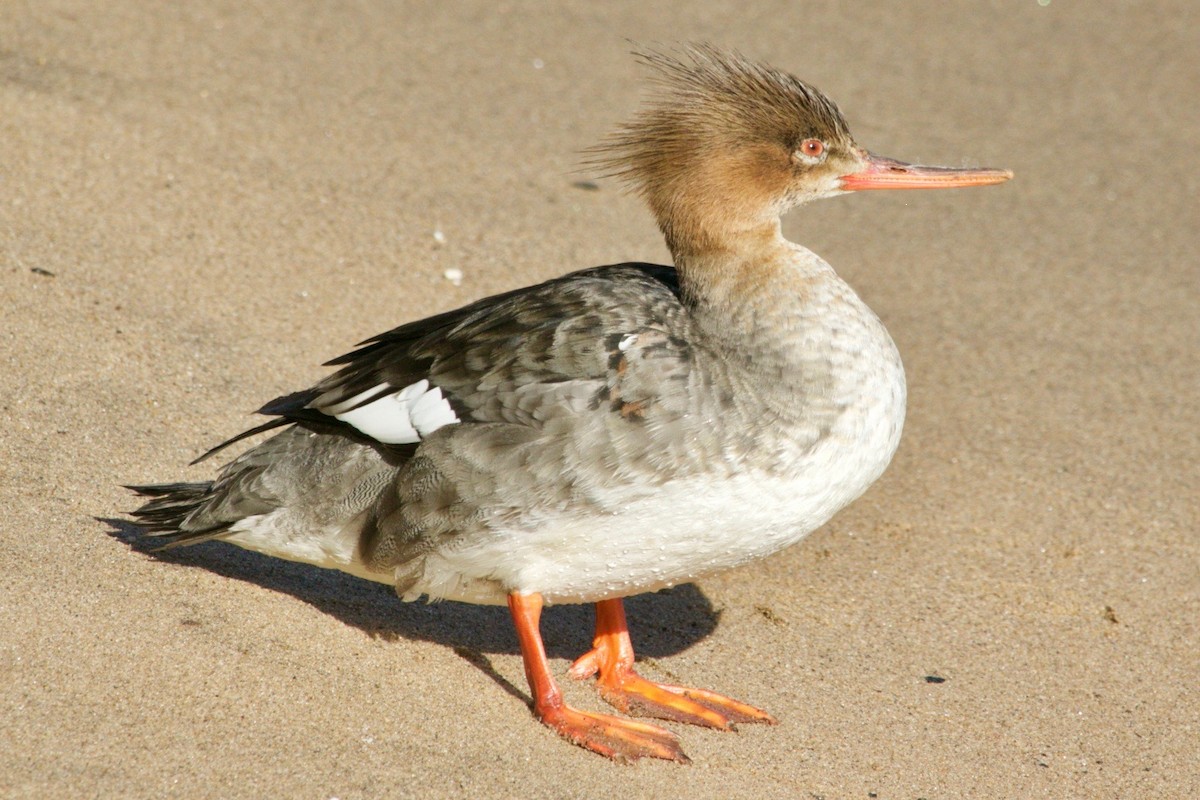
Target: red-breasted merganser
point(613, 431)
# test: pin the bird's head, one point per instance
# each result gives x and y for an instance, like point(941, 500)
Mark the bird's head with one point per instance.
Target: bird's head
point(727, 145)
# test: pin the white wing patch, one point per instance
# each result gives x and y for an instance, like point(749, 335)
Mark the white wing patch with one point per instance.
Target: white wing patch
point(402, 417)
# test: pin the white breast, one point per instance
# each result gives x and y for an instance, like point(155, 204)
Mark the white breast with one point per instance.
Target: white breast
point(682, 531)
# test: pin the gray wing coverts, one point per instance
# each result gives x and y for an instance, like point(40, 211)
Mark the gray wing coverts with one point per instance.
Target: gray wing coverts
point(562, 390)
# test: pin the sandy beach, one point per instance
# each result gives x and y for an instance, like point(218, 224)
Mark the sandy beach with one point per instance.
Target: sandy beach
point(202, 202)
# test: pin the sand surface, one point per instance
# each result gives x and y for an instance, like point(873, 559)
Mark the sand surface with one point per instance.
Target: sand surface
point(201, 202)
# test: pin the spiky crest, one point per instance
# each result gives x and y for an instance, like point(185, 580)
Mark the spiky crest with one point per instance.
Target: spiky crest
point(719, 124)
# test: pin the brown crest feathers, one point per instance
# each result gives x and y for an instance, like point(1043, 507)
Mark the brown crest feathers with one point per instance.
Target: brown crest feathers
point(710, 100)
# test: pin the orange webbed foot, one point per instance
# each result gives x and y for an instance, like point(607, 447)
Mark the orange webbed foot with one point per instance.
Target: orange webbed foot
point(611, 659)
point(620, 739)
point(632, 694)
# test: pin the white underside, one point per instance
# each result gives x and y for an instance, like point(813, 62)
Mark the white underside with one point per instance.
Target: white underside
point(287, 534)
point(678, 534)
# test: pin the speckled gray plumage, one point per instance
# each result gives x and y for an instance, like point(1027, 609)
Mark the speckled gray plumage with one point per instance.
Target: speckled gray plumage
point(556, 419)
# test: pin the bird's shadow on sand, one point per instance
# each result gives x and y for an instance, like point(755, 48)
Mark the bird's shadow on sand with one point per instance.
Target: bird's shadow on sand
point(662, 623)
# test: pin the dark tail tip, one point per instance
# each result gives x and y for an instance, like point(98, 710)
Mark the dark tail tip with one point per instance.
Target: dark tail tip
point(169, 506)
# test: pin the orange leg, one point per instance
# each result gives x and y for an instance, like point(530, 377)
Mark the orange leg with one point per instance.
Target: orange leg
point(612, 657)
point(620, 739)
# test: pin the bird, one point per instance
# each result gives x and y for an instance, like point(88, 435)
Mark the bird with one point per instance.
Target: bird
point(609, 432)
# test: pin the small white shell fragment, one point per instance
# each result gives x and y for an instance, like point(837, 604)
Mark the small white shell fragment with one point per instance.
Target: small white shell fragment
point(454, 275)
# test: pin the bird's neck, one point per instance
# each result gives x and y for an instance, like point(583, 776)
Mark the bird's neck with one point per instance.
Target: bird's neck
point(747, 282)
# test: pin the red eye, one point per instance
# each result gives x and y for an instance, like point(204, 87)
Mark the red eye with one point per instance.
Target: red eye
point(812, 147)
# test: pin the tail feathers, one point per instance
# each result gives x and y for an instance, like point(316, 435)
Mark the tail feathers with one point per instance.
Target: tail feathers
point(167, 513)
